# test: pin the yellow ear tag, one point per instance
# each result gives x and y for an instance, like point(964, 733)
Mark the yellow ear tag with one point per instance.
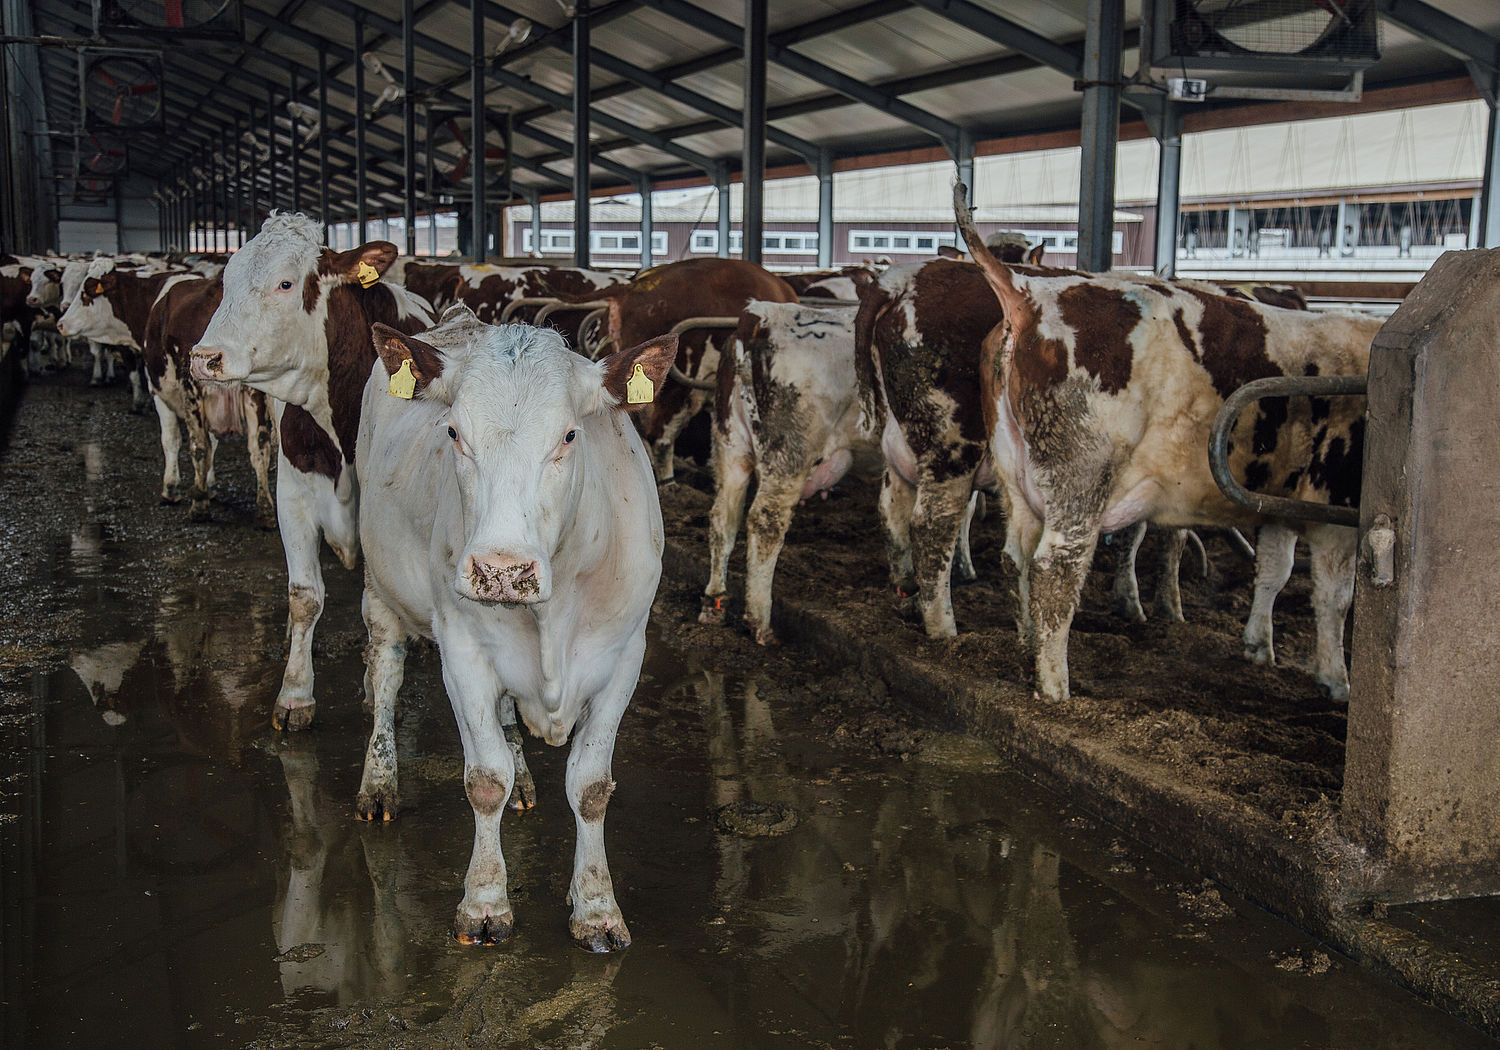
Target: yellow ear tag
point(638, 388)
point(403, 383)
point(367, 275)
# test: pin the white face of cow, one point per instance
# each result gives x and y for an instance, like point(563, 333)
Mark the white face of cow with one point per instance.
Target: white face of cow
point(45, 287)
point(90, 314)
point(521, 412)
point(269, 330)
point(72, 280)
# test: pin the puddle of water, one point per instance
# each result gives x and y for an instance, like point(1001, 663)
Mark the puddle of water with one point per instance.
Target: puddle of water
point(180, 877)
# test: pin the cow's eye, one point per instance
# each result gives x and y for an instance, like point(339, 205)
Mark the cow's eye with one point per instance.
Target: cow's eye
point(569, 436)
point(453, 433)
point(286, 286)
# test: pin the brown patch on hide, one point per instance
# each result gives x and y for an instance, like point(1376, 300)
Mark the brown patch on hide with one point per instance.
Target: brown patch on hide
point(1233, 343)
point(1102, 319)
point(307, 446)
point(594, 800)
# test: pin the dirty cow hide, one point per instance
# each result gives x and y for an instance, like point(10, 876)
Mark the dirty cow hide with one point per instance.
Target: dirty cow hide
point(659, 298)
point(1099, 395)
point(488, 290)
point(510, 515)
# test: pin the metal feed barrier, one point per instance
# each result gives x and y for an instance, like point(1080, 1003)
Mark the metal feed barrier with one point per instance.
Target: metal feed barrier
point(729, 323)
point(1229, 414)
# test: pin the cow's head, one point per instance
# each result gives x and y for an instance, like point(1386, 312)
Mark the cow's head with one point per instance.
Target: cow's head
point(269, 330)
point(89, 313)
point(45, 287)
point(524, 419)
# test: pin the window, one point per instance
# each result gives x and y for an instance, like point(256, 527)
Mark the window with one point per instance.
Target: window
point(705, 241)
point(626, 242)
point(909, 242)
point(554, 242)
point(789, 243)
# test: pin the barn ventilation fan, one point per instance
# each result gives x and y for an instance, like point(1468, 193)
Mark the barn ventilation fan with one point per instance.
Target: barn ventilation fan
point(100, 153)
point(170, 18)
point(450, 154)
point(122, 90)
point(1269, 36)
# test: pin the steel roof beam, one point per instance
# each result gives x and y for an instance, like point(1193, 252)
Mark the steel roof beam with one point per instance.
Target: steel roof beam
point(1443, 31)
point(1007, 33)
point(565, 150)
point(944, 131)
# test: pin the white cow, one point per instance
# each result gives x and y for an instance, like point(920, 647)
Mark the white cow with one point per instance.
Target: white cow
point(510, 513)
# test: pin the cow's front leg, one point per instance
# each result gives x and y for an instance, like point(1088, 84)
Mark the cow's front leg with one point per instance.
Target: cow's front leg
point(1275, 552)
point(385, 666)
point(484, 915)
point(937, 520)
point(523, 795)
point(171, 450)
point(101, 355)
point(1333, 555)
point(770, 517)
point(1169, 582)
point(296, 512)
point(201, 452)
point(1127, 591)
point(596, 922)
point(260, 442)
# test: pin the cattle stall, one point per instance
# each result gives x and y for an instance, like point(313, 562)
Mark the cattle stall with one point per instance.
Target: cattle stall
point(866, 785)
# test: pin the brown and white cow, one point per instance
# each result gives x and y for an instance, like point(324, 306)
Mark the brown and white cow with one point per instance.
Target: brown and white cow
point(1098, 398)
point(294, 323)
point(104, 356)
point(657, 299)
point(433, 281)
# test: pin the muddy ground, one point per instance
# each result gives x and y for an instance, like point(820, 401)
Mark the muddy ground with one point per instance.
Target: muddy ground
point(1179, 695)
point(806, 857)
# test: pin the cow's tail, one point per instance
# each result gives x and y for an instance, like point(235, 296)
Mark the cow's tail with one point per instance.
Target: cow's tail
point(1001, 278)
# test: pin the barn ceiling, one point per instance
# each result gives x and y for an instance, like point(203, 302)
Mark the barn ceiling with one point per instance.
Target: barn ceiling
point(855, 77)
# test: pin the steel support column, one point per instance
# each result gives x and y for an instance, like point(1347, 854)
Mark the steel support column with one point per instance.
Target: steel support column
point(1168, 189)
point(721, 183)
point(753, 167)
point(644, 186)
point(534, 198)
point(477, 173)
point(241, 220)
point(963, 159)
point(359, 124)
point(323, 144)
point(1103, 42)
point(581, 132)
point(429, 188)
point(292, 148)
point(825, 209)
point(271, 145)
point(409, 124)
point(1489, 193)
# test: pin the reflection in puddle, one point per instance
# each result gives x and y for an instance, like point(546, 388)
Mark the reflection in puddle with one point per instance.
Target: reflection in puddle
point(182, 877)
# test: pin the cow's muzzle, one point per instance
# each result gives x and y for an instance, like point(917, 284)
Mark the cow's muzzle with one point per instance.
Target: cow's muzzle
point(206, 364)
point(503, 578)
point(32, 300)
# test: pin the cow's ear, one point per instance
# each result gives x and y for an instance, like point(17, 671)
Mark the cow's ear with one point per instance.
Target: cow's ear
point(24, 273)
point(947, 251)
point(1034, 257)
point(634, 377)
point(365, 264)
point(405, 355)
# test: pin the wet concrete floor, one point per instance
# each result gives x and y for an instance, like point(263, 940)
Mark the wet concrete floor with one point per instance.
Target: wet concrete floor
point(175, 874)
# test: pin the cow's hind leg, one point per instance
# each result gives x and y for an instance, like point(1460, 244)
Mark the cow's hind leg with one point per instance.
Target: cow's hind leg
point(733, 463)
point(1333, 556)
point(1127, 591)
point(661, 449)
point(385, 666)
point(937, 520)
point(484, 915)
point(765, 533)
point(963, 557)
point(1275, 549)
point(201, 450)
point(596, 922)
point(523, 796)
point(1168, 581)
point(898, 497)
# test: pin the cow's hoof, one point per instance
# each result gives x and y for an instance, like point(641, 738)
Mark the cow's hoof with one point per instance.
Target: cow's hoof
point(200, 511)
point(765, 636)
point(1334, 690)
point(265, 518)
point(378, 805)
point(713, 611)
point(1130, 610)
point(484, 929)
point(1261, 654)
point(169, 500)
point(609, 934)
point(292, 718)
point(97, 382)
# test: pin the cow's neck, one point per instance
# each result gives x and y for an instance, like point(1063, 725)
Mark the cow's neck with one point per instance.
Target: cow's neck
point(132, 299)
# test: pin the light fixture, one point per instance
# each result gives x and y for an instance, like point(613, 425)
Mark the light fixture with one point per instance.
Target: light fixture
point(518, 33)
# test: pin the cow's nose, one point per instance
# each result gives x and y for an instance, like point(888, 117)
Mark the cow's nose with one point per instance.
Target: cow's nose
point(31, 300)
point(503, 578)
point(207, 363)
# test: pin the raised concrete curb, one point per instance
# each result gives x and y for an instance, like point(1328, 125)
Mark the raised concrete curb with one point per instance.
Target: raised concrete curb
point(1241, 848)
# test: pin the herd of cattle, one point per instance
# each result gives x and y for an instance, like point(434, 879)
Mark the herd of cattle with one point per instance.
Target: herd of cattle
point(506, 504)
